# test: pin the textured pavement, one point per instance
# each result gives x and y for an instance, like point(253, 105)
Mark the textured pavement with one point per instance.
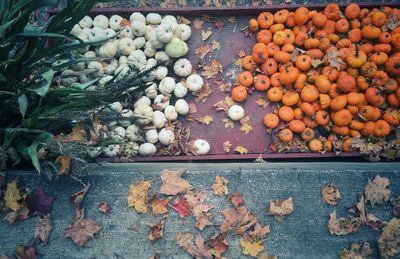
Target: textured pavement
point(303, 234)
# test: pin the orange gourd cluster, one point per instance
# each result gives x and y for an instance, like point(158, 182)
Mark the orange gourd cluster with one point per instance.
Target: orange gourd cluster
point(323, 69)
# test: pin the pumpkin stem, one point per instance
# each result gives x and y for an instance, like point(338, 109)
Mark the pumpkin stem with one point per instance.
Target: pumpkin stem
point(356, 50)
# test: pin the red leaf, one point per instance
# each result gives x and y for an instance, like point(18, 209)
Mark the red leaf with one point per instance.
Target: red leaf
point(219, 24)
point(40, 202)
point(237, 199)
point(181, 206)
point(104, 208)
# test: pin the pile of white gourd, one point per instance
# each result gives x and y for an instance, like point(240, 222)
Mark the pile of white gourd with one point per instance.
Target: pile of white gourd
point(147, 40)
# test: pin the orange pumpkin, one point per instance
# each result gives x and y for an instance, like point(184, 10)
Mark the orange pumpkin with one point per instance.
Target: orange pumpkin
point(369, 69)
point(275, 94)
point(261, 82)
point(297, 126)
point(379, 19)
point(356, 125)
point(369, 112)
point(298, 114)
point(342, 118)
point(290, 98)
point(370, 32)
point(382, 128)
point(319, 19)
point(324, 101)
point(286, 113)
point(392, 100)
point(391, 85)
point(315, 53)
point(301, 16)
point(374, 97)
point(265, 20)
point(309, 93)
point(285, 135)
point(343, 131)
point(369, 128)
point(289, 75)
point(311, 43)
point(339, 102)
point(352, 11)
point(322, 118)
point(330, 73)
point(271, 120)
point(307, 109)
point(307, 134)
point(281, 16)
point(239, 93)
point(322, 83)
point(269, 67)
point(275, 80)
point(303, 62)
point(392, 65)
point(264, 36)
point(346, 83)
point(248, 63)
point(354, 98)
point(390, 118)
point(315, 145)
point(385, 37)
point(310, 122)
point(260, 53)
point(332, 12)
point(245, 78)
point(282, 57)
point(355, 35)
point(253, 25)
point(342, 25)
point(346, 145)
point(362, 83)
point(379, 58)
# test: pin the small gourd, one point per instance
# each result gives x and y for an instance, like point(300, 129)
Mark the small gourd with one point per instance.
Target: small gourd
point(164, 33)
point(116, 106)
point(115, 22)
point(170, 113)
point(112, 150)
point(76, 30)
point(153, 18)
point(130, 149)
point(104, 80)
point(201, 147)
point(85, 34)
point(161, 72)
point(161, 102)
point(132, 133)
point(143, 114)
point(181, 107)
point(123, 60)
point(86, 22)
point(126, 32)
point(118, 133)
point(97, 34)
point(180, 90)
point(183, 67)
point(67, 79)
point(108, 50)
point(176, 48)
point(78, 66)
point(147, 149)
point(126, 46)
point(236, 112)
point(151, 136)
point(90, 54)
point(110, 68)
point(139, 42)
point(137, 59)
point(185, 32)
point(194, 83)
point(169, 19)
point(167, 85)
point(144, 100)
point(100, 21)
point(151, 91)
point(138, 28)
point(150, 31)
point(161, 57)
point(154, 41)
point(128, 115)
point(110, 33)
point(136, 16)
point(166, 136)
point(98, 67)
point(159, 119)
point(149, 50)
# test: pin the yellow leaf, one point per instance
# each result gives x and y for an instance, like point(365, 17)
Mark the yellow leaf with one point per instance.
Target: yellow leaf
point(246, 128)
point(64, 162)
point(228, 123)
point(206, 34)
point(138, 196)
point(262, 101)
point(78, 133)
point(227, 146)
point(251, 246)
point(205, 119)
point(220, 186)
point(215, 45)
point(241, 150)
point(212, 70)
point(12, 196)
point(198, 23)
point(182, 19)
point(316, 62)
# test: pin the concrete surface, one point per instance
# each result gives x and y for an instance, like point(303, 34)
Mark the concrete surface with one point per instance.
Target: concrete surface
point(303, 234)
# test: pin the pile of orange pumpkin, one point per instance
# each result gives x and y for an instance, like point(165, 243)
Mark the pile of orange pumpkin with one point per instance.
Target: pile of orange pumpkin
point(335, 69)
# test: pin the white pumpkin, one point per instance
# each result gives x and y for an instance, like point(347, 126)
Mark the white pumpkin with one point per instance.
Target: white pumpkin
point(139, 42)
point(97, 34)
point(111, 67)
point(151, 136)
point(161, 102)
point(118, 133)
point(176, 48)
point(149, 50)
point(128, 114)
point(67, 79)
point(90, 54)
point(159, 119)
point(194, 83)
point(150, 31)
point(180, 90)
point(132, 133)
point(236, 112)
point(169, 19)
point(136, 16)
point(147, 149)
point(151, 91)
point(76, 30)
point(112, 150)
point(185, 32)
point(126, 32)
point(116, 106)
point(183, 67)
point(130, 149)
point(86, 22)
point(123, 60)
point(108, 50)
point(104, 80)
point(201, 147)
point(98, 67)
point(161, 72)
point(166, 136)
point(100, 21)
point(154, 41)
point(126, 46)
point(143, 114)
point(170, 113)
point(167, 85)
point(144, 100)
point(164, 33)
point(162, 57)
point(93, 152)
point(151, 62)
point(84, 79)
point(85, 34)
point(78, 66)
point(137, 59)
point(115, 22)
point(181, 107)
point(110, 33)
point(153, 18)
point(138, 28)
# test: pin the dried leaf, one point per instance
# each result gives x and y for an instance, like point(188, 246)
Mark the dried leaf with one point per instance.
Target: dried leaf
point(241, 150)
point(205, 119)
point(210, 71)
point(259, 231)
point(330, 194)
point(157, 230)
point(199, 249)
point(237, 199)
point(219, 24)
point(81, 230)
point(227, 146)
point(357, 251)
point(232, 218)
point(343, 226)
point(215, 45)
point(192, 108)
point(316, 62)
point(218, 244)
point(228, 123)
point(280, 208)
point(172, 183)
point(260, 159)
point(40, 202)
point(203, 94)
point(396, 206)
point(138, 195)
point(376, 192)
point(203, 50)
point(43, 228)
point(220, 186)
point(224, 87)
point(158, 206)
point(26, 252)
point(224, 105)
point(262, 101)
point(335, 60)
point(251, 246)
point(183, 20)
point(181, 206)
point(199, 209)
point(12, 196)
point(78, 133)
point(198, 23)
point(388, 242)
point(64, 163)
point(206, 34)
point(241, 53)
point(77, 198)
point(246, 128)
point(361, 211)
point(104, 208)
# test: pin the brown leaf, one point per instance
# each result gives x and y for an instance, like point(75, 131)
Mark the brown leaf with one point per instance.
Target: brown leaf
point(220, 186)
point(376, 190)
point(361, 211)
point(172, 183)
point(210, 71)
point(218, 244)
point(224, 105)
point(64, 163)
point(262, 101)
point(199, 209)
point(158, 206)
point(43, 228)
point(206, 34)
point(259, 231)
point(232, 218)
point(26, 252)
point(203, 50)
point(183, 20)
point(343, 226)
point(104, 208)
point(77, 198)
point(241, 150)
point(237, 199)
point(198, 249)
point(246, 128)
point(224, 87)
point(192, 108)
point(81, 230)
point(241, 53)
point(280, 208)
point(138, 195)
point(157, 230)
point(228, 123)
point(205, 119)
point(361, 251)
point(215, 45)
point(227, 146)
point(335, 60)
point(316, 62)
point(203, 94)
point(330, 194)
point(219, 24)
point(198, 23)
point(251, 246)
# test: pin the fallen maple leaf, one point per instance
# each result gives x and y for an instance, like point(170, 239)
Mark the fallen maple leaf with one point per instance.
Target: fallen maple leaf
point(219, 24)
point(192, 108)
point(259, 231)
point(138, 196)
point(203, 50)
point(77, 198)
point(237, 199)
point(26, 252)
point(246, 128)
point(21, 214)
point(330, 194)
point(218, 244)
point(215, 45)
point(316, 62)
point(224, 87)
point(104, 208)
point(64, 163)
point(241, 150)
point(202, 95)
point(280, 208)
point(227, 146)
point(206, 34)
point(157, 230)
point(205, 119)
point(181, 206)
point(172, 182)
point(43, 228)
point(199, 209)
point(210, 71)
point(81, 229)
point(343, 226)
point(198, 23)
point(220, 186)
point(158, 206)
point(262, 101)
point(199, 249)
point(12, 196)
point(251, 246)
point(360, 251)
point(228, 123)
point(241, 53)
point(335, 60)
point(396, 206)
point(361, 211)
point(40, 202)
point(183, 20)
point(376, 191)
point(232, 218)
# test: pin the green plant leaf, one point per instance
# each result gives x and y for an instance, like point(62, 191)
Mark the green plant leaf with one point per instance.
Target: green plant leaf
point(84, 85)
point(23, 104)
point(31, 151)
point(44, 84)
